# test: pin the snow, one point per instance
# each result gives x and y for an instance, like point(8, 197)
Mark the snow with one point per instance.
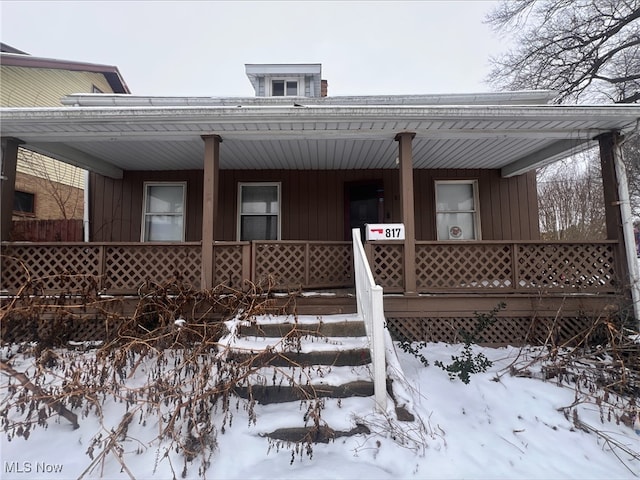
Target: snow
point(497, 426)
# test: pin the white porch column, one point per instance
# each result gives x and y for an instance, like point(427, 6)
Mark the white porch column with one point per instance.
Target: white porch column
point(209, 206)
point(407, 210)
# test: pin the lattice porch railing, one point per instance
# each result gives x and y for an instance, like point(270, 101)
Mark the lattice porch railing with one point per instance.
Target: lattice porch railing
point(302, 264)
point(115, 268)
point(515, 266)
point(508, 267)
point(441, 267)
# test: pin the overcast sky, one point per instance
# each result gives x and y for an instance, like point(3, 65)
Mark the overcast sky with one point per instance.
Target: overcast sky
point(200, 48)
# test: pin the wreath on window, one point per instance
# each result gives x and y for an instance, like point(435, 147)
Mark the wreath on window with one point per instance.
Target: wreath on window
point(455, 232)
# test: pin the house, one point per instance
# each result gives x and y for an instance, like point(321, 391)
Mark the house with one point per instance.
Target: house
point(45, 189)
point(214, 190)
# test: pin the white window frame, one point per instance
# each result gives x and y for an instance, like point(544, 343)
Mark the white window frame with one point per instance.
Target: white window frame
point(145, 214)
point(285, 80)
point(240, 214)
point(475, 211)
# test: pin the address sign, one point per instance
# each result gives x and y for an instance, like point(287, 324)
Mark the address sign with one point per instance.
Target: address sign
point(384, 231)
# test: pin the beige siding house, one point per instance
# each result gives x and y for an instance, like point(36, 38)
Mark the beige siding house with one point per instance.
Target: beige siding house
point(47, 189)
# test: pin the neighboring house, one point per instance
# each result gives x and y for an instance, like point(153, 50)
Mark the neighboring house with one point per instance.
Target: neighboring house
point(47, 189)
point(221, 190)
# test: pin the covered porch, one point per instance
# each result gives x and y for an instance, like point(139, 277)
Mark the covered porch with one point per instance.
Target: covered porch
point(213, 145)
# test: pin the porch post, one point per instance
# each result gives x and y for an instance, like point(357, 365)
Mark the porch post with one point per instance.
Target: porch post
point(209, 206)
point(8, 162)
point(407, 210)
point(618, 217)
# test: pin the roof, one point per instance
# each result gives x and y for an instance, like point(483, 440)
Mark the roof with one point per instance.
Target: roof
point(527, 97)
point(109, 134)
point(111, 73)
point(4, 48)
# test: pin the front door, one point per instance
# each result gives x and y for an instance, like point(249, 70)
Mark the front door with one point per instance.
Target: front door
point(364, 203)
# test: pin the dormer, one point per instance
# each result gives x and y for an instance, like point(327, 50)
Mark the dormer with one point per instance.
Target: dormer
point(286, 79)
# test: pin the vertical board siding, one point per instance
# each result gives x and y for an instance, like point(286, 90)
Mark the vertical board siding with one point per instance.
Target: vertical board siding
point(508, 206)
point(313, 202)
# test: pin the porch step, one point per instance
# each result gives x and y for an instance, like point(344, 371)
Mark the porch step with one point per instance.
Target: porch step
point(300, 340)
point(265, 394)
point(315, 434)
point(318, 366)
point(335, 302)
point(286, 384)
point(302, 360)
point(292, 421)
point(340, 358)
point(317, 328)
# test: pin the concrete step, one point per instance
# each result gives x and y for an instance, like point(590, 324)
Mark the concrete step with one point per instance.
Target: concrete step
point(314, 434)
point(338, 358)
point(318, 329)
point(321, 302)
point(298, 421)
point(301, 342)
point(265, 394)
point(310, 375)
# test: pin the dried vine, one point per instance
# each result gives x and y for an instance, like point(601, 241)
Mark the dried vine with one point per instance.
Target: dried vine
point(164, 363)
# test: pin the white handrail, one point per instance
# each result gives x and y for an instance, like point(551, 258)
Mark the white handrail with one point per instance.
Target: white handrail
point(371, 309)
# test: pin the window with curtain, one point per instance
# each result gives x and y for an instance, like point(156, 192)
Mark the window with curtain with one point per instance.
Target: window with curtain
point(457, 210)
point(163, 212)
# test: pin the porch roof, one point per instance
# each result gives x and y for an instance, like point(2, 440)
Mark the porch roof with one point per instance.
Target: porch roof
point(139, 134)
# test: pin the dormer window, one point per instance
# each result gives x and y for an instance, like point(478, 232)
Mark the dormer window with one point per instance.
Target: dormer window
point(284, 88)
point(286, 79)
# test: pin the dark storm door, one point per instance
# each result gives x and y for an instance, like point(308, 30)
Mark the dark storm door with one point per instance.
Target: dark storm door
point(364, 203)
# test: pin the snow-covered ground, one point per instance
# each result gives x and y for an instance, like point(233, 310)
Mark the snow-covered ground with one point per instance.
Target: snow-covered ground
point(498, 426)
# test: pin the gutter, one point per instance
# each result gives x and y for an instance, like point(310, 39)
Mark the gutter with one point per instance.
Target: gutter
point(322, 113)
point(85, 215)
point(627, 232)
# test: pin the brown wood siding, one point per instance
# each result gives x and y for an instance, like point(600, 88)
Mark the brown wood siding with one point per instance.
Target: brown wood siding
point(116, 205)
point(508, 206)
point(313, 202)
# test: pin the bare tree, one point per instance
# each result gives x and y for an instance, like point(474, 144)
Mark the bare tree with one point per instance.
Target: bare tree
point(631, 152)
point(583, 49)
point(59, 181)
point(571, 201)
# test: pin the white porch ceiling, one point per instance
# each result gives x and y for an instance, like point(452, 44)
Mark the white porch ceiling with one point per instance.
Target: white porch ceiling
point(110, 139)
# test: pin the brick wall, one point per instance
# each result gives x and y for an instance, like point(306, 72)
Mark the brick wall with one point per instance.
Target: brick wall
point(53, 200)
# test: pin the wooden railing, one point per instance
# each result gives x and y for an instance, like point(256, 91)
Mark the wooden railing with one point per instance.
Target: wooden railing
point(441, 267)
point(503, 266)
point(125, 268)
point(295, 264)
point(113, 268)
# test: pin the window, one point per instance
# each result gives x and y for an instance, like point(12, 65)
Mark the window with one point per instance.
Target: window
point(259, 211)
point(95, 89)
point(24, 203)
point(163, 215)
point(457, 210)
point(284, 88)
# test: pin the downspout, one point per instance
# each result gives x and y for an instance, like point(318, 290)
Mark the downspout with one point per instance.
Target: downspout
point(627, 231)
point(85, 215)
